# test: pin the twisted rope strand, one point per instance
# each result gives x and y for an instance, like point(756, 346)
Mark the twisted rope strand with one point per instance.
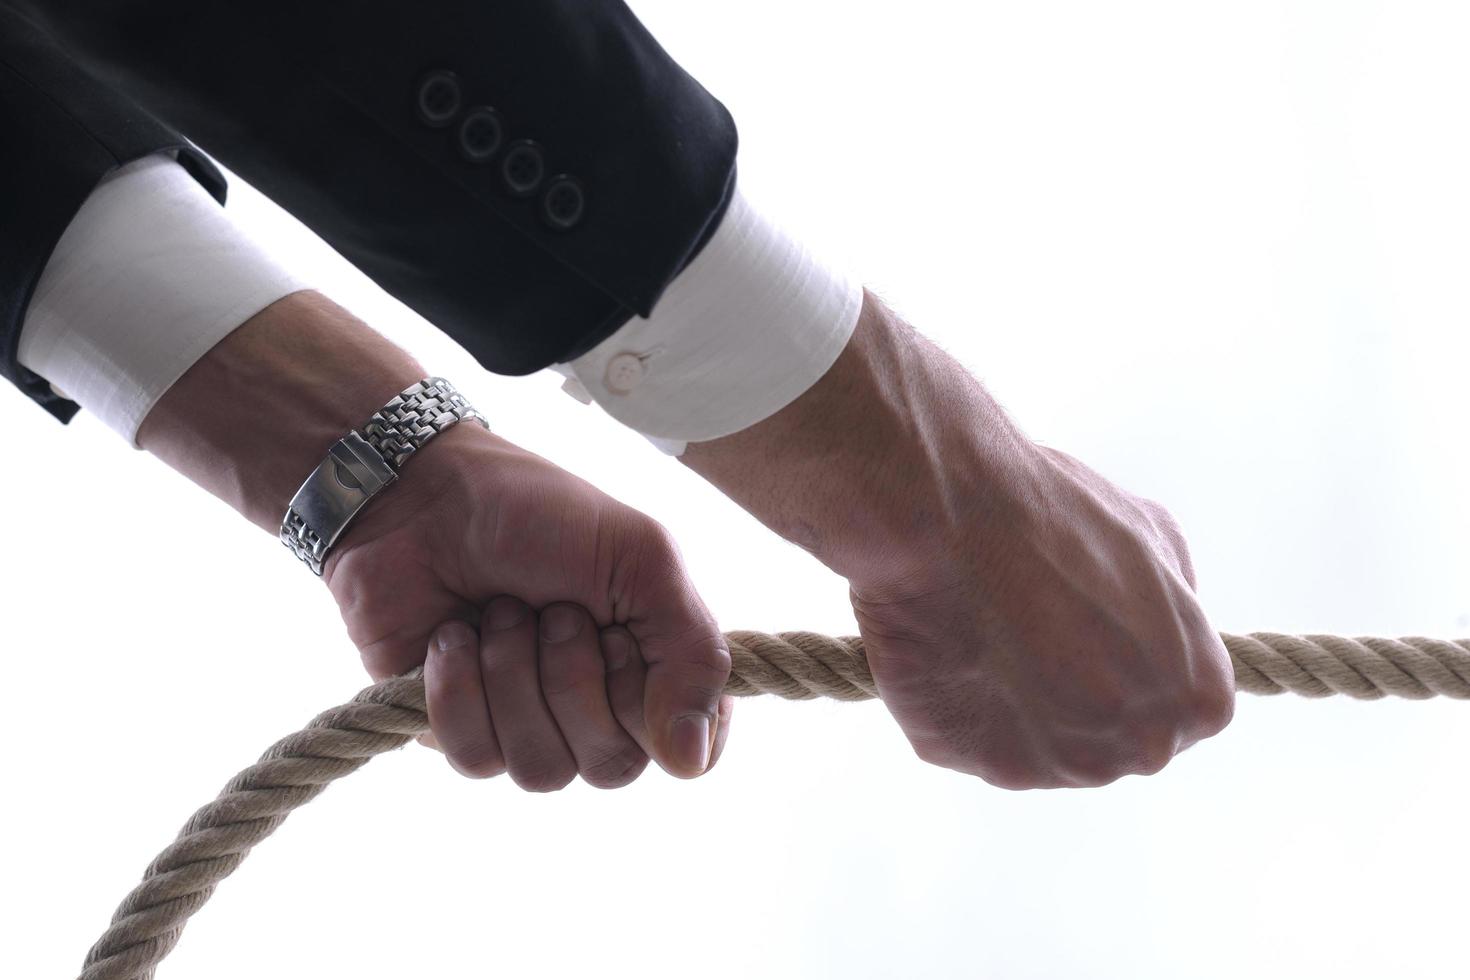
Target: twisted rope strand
point(796, 666)
point(1366, 667)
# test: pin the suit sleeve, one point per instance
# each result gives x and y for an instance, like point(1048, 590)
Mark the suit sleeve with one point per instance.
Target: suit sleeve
point(526, 174)
point(64, 130)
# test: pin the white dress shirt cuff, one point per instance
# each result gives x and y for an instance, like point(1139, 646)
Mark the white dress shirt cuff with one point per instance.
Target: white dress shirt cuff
point(149, 275)
point(747, 327)
point(152, 273)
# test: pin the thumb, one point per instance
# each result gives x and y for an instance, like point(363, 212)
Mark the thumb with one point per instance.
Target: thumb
point(688, 664)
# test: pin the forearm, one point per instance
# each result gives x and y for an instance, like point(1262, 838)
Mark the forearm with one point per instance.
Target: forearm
point(863, 463)
point(252, 418)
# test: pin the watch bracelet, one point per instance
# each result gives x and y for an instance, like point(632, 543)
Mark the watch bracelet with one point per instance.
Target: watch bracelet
point(395, 432)
point(414, 416)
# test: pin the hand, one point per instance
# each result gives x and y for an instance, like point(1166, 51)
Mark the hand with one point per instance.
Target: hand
point(472, 523)
point(1051, 640)
point(1026, 621)
point(467, 561)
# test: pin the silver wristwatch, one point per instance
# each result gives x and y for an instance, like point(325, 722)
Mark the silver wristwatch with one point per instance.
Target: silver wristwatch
point(359, 465)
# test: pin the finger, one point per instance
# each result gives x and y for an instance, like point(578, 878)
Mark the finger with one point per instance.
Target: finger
point(626, 673)
point(458, 718)
point(535, 754)
point(428, 740)
point(722, 729)
point(573, 681)
point(688, 664)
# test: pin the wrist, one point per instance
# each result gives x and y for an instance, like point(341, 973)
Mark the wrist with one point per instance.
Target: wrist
point(253, 417)
point(448, 475)
point(893, 447)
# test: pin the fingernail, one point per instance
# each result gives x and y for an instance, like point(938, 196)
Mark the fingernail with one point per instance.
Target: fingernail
point(452, 636)
point(615, 649)
point(691, 742)
point(560, 623)
point(505, 612)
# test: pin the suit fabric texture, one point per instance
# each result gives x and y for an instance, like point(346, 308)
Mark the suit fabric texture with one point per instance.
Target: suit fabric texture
point(526, 174)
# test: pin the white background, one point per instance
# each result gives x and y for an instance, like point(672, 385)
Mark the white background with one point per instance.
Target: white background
point(1218, 251)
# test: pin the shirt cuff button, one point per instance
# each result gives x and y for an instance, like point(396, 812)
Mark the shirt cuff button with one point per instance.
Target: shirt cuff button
point(623, 374)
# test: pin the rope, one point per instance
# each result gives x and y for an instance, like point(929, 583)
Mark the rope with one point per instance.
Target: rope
point(797, 666)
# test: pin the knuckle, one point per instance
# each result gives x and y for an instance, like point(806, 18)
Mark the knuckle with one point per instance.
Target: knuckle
point(1207, 705)
point(614, 770)
point(1017, 772)
point(929, 751)
point(989, 744)
point(933, 746)
point(651, 539)
point(1144, 752)
point(542, 775)
point(1094, 775)
point(659, 537)
point(939, 751)
point(1089, 765)
point(481, 762)
point(1162, 517)
point(1014, 778)
point(700, 655)
point(710, 655)
point(1214, 708)
point(543, 780)
point(469, 754)
point(1155, 752)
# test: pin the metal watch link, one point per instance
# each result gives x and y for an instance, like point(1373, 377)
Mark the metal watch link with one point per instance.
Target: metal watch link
point(360, 465)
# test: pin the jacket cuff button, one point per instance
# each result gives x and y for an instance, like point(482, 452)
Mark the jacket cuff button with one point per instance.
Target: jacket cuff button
point(438, 98)
point(522, 168)
point(480, 134)
point(563, 203)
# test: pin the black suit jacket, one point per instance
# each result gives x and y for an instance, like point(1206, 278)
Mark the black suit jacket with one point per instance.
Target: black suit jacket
point(526, 174)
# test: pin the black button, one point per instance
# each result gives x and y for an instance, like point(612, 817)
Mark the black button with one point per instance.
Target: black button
point(563, 203)
point(439, 98)
point(523, 168)
point(479, 134)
